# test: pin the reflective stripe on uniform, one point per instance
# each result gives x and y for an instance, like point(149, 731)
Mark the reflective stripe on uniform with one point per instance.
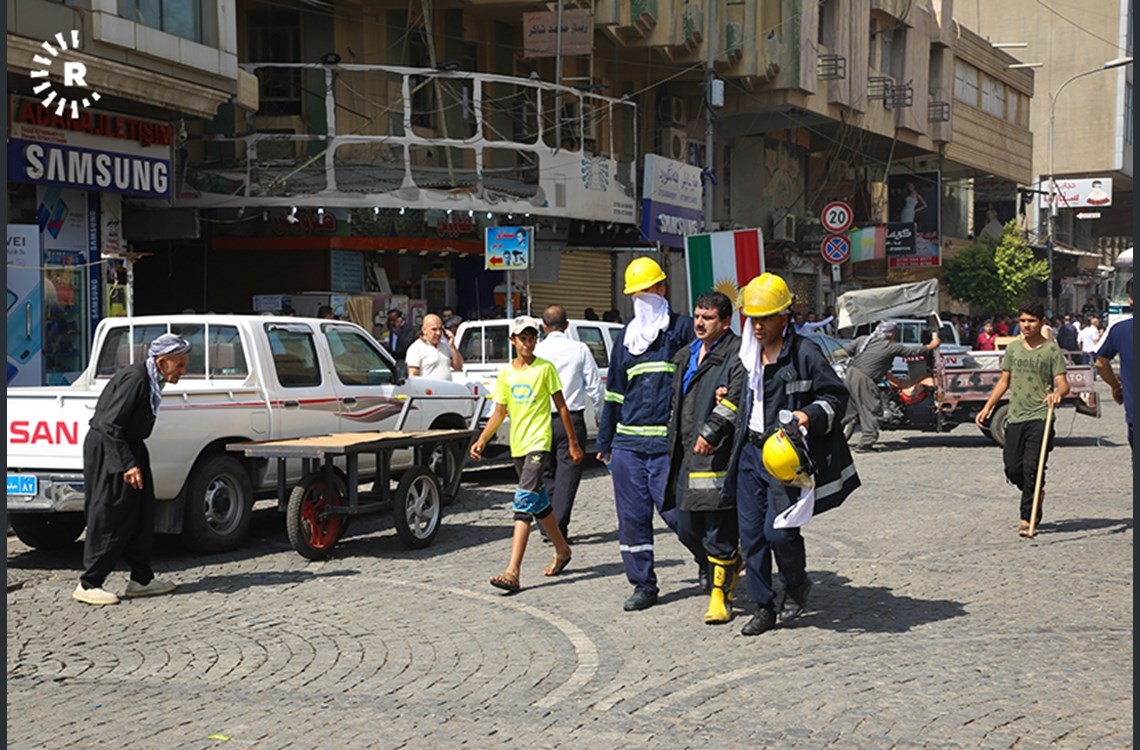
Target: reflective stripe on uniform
point(797, 386)
point(721, 411)
point(616, 398)
point(823, 490)
point(830, 412)
point(646, 367)
point(706, 480)
point(650, 430)
point(635, 547)
point(728, 405)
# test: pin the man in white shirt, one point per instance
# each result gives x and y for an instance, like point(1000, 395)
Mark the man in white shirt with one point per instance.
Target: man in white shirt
point(1088, 338)
point(580, 380)
point(430, 356)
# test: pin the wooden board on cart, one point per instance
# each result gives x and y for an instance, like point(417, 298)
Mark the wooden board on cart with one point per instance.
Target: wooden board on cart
point(358, 441)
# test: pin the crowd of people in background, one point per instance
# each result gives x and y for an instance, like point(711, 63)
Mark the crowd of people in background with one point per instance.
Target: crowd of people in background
point(1079, 334)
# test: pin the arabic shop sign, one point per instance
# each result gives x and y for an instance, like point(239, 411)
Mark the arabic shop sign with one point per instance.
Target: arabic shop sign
point(671, 203)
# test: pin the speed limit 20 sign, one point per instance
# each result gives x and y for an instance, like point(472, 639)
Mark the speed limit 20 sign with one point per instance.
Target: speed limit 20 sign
point(836, 217)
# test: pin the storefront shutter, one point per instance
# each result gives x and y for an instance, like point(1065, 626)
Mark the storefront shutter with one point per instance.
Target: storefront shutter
point(585, 279)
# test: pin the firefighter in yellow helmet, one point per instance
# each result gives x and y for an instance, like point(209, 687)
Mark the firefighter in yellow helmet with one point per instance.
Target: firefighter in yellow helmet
point(634, 427)
point(778, 483)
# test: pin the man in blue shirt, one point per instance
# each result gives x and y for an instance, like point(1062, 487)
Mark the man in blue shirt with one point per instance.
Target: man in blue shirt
point(1118, 340)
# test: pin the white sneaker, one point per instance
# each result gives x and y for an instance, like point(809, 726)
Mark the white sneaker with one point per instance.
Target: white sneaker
point(93, 596)
point(156, 586)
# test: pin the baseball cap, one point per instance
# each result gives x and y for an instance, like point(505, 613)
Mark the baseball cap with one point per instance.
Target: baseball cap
point(523, 322)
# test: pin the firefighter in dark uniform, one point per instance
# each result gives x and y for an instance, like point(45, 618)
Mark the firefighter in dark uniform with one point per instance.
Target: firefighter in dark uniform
point(700, 445)
point(118, 486)
point(785, 372)
point(633, 432)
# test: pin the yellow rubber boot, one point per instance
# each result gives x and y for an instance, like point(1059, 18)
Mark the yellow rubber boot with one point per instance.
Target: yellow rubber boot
point(736, 565)
point(720, 599)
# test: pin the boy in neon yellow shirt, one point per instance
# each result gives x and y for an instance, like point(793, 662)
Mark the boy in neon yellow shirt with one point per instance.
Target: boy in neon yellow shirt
point(526, 388)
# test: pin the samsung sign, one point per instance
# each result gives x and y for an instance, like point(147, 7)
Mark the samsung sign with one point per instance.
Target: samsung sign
point(66, 166)
point(101, 151)
point(671, 204)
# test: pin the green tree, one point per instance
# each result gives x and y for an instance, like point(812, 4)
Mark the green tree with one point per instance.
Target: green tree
point(1017, 269)
point(971, 275)
point(995, 275)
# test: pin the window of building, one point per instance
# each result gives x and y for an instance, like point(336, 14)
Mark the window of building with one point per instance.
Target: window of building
point(826, 31)
point(1128, 110)
point(966, 83)
point(886, 51)
point(1129, 27)
point(1012, 104)
point(181, 18)
point(275, 37)
point(993, 97)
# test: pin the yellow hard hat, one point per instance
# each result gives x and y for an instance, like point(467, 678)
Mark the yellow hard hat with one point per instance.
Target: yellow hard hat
point(767, 294)
point(782, 459)
point(641, 274)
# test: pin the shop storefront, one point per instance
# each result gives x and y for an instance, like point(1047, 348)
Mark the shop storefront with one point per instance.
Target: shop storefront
point(66, 181)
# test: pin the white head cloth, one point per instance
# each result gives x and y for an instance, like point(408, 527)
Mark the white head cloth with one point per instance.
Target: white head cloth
point(650, 318)
point(168, 344)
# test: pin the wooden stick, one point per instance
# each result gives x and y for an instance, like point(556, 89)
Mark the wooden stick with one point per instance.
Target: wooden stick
point(1040, 474)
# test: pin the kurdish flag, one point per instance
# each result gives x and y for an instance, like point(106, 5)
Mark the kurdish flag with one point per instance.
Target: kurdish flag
point(869, 243)
point(724, 262)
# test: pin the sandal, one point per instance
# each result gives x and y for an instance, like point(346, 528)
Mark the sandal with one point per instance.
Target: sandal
point(1023, 530)
point(508, 581)
point(557, 565)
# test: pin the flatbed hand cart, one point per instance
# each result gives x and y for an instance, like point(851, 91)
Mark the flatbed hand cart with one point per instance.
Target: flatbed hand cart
point(317, 510)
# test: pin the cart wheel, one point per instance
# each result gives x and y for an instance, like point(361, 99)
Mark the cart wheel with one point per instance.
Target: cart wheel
point(312, 531)
point(416, 509)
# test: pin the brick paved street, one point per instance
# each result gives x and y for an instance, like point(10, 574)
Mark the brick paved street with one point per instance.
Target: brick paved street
point(932, 625)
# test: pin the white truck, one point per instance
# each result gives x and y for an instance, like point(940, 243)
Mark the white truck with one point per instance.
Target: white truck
point(250, 378)
point(486, 348)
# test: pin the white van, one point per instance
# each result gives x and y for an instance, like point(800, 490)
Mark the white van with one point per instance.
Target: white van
point(486, 348)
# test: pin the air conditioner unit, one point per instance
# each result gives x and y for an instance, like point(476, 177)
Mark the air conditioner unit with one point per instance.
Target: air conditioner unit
point(784, 228)
point(671, 143)
point(670, 111)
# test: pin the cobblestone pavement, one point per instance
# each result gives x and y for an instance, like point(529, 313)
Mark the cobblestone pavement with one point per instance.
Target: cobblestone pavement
point(931, 625)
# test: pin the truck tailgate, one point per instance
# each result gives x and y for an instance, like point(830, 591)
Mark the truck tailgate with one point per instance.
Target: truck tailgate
point(46, 428)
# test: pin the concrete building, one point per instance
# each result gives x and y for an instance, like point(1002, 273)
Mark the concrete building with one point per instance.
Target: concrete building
point(369, 145)
point(100, 96)
point(1093, 120)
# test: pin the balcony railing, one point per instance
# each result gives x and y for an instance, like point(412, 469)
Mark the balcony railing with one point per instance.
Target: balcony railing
point(430, 139)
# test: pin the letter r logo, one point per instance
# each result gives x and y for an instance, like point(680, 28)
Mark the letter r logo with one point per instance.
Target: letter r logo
point(74, 73)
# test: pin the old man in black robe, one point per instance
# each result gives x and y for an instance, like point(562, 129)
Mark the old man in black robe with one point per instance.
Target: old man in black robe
point(119, 502)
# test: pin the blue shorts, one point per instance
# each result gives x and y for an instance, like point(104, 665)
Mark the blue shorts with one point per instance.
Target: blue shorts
point(531, 500)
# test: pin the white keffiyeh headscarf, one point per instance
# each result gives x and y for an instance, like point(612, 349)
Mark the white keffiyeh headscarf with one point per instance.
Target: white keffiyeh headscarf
point(165, 345)
point(650, 318)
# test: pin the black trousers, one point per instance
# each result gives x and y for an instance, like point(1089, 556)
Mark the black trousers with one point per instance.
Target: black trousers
point(120, 520)
point(714, 531)
point(1021, 454)
point(562, 475)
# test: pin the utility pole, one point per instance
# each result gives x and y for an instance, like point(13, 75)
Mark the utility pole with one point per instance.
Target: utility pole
point(710, 75)
point(558, 78)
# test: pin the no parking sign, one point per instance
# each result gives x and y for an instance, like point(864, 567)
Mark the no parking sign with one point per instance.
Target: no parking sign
point(836, 248)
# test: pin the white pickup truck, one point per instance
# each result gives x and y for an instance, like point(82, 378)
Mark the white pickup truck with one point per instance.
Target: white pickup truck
point(486, 348)
point(249, 378)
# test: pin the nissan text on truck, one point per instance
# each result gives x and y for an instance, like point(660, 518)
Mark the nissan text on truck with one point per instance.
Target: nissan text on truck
point(250, 378)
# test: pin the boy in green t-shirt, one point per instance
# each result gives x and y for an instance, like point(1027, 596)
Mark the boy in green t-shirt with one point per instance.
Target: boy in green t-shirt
point(525, 388)
point(1033, 370)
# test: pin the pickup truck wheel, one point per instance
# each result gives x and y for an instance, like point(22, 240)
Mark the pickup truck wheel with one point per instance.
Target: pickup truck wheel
point(219, 505)
point(417, 508)
point(446, 462)
point(999, 420)
point(313, 532)
point(47, 531)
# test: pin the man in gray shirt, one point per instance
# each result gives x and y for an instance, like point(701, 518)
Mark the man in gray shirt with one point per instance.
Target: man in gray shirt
point(871, 358)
